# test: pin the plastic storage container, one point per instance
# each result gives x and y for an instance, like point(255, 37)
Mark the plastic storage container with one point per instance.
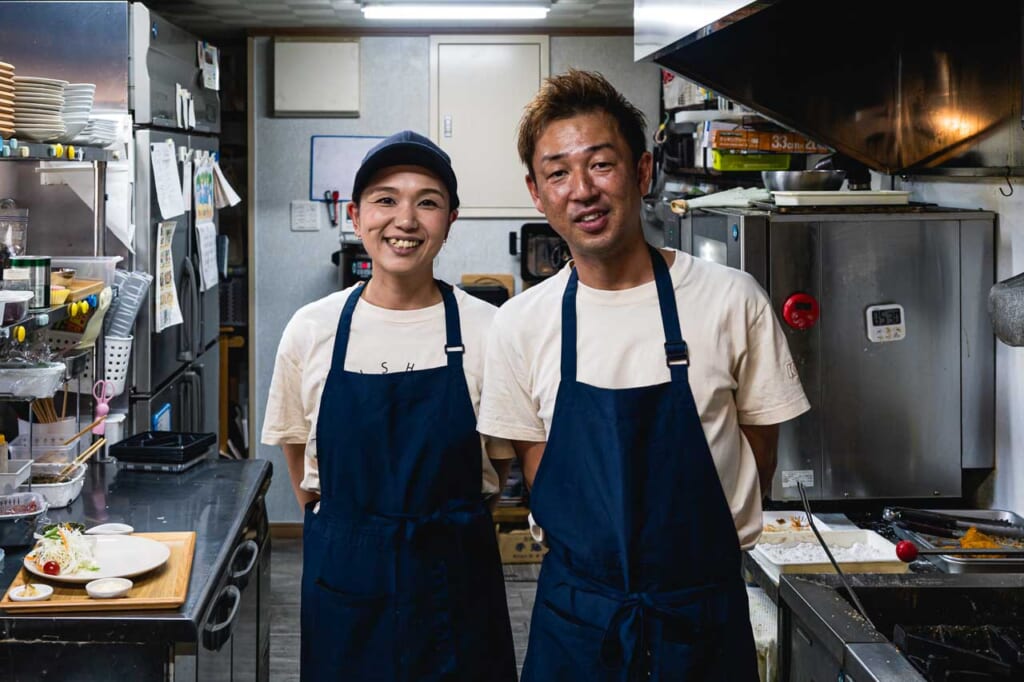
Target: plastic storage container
point(41, 452)
point(16, 473)
point(48, 435)
point(89, 267)
point(19, 515)
point(14, 304)
point(58, 494)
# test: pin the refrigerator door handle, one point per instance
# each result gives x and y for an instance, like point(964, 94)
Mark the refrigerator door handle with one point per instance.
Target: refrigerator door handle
point(200, 310)
point(186, 335)
point(196, 380)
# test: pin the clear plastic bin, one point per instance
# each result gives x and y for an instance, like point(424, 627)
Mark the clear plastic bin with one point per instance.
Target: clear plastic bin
point(43, 453)
point(58, 494)
point(19, 514)
point(89, 267)
point(16, 474)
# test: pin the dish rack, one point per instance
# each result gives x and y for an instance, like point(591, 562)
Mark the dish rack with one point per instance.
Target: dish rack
point(116, 353)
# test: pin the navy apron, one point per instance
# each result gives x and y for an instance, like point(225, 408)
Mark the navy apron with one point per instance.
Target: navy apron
point(642, 579)
point(401, 576)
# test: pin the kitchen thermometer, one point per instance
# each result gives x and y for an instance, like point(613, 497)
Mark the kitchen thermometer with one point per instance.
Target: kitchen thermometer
point(886, 323)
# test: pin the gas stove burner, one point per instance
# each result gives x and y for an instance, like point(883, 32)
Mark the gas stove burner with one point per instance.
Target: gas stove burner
point(962, 653)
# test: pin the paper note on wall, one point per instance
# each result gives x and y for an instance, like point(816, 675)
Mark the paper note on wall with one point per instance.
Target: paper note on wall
point(186, 185)
point(168, 312)
point(206, 238)
point(223, 191)
point(204, 192)
point(165, 177)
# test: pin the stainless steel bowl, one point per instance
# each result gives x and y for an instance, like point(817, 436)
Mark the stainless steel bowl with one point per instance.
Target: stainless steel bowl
point(798, 181)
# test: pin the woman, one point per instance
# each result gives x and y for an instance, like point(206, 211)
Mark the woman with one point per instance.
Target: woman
point(401, 574)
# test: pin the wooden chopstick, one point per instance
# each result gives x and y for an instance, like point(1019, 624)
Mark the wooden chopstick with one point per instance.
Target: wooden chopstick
point(64, 405)
point(81, 459)
point(81, 433)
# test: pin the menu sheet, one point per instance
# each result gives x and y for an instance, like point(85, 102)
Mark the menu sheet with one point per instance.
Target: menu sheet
point(168, 312)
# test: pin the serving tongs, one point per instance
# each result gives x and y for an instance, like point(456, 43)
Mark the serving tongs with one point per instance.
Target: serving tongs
point(948, 522)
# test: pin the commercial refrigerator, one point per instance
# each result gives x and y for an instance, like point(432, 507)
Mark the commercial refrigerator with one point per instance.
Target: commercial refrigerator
point(175, 371)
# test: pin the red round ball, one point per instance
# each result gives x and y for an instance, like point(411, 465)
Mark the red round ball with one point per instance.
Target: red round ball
point(906, 551)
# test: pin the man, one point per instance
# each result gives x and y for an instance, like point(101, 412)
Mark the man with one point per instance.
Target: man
point(642, 390)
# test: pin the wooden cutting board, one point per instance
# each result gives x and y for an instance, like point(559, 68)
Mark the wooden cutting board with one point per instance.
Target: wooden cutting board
point(162, 588)
point(80, 288)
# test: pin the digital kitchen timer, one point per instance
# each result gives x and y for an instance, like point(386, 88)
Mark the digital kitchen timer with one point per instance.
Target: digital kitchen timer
point(886, 323)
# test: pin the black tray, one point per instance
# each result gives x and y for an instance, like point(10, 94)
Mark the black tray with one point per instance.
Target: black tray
point(163, 446)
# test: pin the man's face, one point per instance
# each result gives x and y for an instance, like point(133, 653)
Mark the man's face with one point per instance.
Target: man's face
point(587, 186)
point(403, 219)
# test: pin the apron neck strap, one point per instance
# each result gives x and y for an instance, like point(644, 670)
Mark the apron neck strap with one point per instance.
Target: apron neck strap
point(453, 328)
point(676, 351)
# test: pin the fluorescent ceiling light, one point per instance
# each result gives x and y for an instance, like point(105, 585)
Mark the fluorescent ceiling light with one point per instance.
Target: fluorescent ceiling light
point(455, 12)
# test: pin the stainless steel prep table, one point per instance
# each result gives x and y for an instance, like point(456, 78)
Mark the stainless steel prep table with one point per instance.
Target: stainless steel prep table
point(222, 501)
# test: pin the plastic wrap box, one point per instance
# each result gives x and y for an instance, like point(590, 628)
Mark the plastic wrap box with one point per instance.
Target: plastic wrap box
point(757, 140)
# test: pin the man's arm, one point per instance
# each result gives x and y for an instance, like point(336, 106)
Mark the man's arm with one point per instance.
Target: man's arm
point(764, 441)
point(529, 454)
point(295, 457)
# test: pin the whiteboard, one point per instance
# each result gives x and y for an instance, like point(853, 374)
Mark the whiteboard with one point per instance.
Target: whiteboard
point(333, 162)
point(316, 76)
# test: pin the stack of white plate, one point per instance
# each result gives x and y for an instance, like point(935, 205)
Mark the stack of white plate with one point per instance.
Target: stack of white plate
point(78, 101)
point(37, 108)
point(6, 100)
point(99, 132)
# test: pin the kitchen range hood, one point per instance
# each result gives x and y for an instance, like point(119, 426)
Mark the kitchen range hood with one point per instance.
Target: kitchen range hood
point(900, 86)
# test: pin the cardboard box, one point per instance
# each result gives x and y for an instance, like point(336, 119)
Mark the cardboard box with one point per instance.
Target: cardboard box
point(757, 140)
point(743, 161)
point(519, 547)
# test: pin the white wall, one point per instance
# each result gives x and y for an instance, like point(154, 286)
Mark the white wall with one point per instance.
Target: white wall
point(1008, 480)
point(293, 268)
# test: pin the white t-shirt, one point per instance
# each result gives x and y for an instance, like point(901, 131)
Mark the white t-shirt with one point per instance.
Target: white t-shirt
point(380, 341)
point(741, 371)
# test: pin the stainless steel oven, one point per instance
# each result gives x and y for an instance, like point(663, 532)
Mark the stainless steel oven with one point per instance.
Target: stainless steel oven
point(884, 310)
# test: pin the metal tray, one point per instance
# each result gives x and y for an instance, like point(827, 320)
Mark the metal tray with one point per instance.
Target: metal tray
point(955, 564)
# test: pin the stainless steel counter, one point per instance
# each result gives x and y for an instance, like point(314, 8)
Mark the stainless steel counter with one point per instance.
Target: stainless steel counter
point(222, 501)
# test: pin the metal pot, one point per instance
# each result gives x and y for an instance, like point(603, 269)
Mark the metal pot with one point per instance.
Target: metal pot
point(812, 180)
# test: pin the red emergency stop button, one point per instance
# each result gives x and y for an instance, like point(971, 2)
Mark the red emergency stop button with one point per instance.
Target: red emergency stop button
point(800, 311)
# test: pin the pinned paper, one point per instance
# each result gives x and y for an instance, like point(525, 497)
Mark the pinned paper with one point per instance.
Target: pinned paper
point(168, 312)
point(209, 63)
point(186, 185)
point(204, 187)
point(206, 238)
point(165, 177)
point(191, 112)
point(179, 105)
point(225, 193)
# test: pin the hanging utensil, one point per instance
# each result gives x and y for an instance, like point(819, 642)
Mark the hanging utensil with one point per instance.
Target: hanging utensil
point(832, 559)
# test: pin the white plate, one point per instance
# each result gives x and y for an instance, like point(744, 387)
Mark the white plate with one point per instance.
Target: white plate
point(41, 80)
point(789, 522)
point(42, 592)
point(118, 556)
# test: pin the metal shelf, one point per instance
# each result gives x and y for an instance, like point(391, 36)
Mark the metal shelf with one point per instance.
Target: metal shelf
point(14, 150)
point(37, 319)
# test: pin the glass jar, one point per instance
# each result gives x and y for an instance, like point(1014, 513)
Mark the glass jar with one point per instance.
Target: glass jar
point(38, 277)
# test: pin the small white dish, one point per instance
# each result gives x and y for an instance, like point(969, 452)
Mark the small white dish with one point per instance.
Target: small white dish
point(110, 529)
point(108, 588)
point(31, 592)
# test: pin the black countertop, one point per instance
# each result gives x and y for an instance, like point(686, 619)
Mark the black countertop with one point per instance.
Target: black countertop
point(212, 499)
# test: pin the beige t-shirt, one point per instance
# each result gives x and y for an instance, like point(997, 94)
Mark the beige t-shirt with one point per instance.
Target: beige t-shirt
point(380, 341)
point(741, 371)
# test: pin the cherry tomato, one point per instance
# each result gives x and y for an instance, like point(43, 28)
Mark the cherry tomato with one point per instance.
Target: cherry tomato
point(51, 568)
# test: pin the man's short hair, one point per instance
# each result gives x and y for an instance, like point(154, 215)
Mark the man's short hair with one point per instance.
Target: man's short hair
point(571, 94)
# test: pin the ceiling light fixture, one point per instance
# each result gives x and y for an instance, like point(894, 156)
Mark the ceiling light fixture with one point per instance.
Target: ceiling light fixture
point(456, 11)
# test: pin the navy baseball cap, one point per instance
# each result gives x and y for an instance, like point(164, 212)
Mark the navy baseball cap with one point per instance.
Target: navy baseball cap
point(407, 149)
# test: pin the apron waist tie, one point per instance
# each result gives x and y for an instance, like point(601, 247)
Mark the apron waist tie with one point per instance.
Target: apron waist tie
point(416, 527)
point(625, 633)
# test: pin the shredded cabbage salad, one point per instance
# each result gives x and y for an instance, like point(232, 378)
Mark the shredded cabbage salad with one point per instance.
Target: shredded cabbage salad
point(68, 547)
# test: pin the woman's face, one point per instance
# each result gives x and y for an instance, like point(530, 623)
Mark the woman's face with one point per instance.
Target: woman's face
point(403, 219)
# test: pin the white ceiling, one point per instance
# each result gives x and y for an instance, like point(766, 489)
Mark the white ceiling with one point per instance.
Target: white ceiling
point(210, 18)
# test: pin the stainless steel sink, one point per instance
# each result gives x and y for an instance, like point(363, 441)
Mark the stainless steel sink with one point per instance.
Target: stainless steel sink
point(823, 636)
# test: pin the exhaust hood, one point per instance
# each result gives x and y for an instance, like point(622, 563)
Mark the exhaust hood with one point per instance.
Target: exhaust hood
point(900, 86)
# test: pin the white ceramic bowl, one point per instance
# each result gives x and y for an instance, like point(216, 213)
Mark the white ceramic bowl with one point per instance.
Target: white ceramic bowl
point(108, 588)
point(36, 592)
